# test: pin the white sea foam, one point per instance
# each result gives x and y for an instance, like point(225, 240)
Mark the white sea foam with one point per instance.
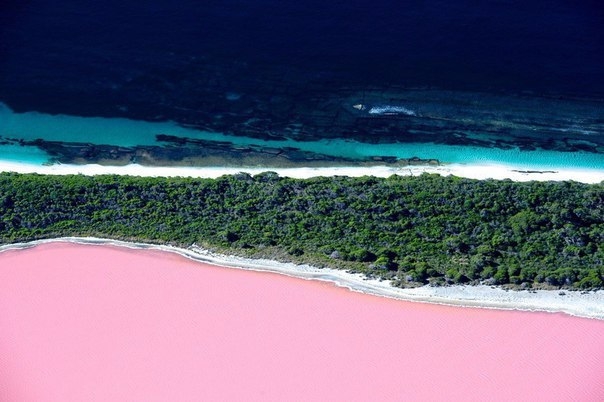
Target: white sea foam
point(575, 129)
point(389, 109)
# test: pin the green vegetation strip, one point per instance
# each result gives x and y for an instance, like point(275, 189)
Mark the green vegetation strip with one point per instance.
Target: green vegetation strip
point(411, 230)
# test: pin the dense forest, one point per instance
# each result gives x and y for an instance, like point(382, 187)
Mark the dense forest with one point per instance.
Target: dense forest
point(411, 230)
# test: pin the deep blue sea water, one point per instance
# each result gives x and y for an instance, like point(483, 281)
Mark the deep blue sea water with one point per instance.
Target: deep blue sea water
point(457, 80)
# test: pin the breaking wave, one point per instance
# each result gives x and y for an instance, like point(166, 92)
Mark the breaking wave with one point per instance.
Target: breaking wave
point(387, 109)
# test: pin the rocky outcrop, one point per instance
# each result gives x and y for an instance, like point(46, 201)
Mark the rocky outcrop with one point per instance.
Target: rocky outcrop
point(182, 151)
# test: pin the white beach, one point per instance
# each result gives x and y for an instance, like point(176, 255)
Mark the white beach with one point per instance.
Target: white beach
point(576, 303)
point(472, 171)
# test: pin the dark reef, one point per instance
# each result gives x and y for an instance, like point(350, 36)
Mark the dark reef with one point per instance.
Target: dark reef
point(511, 74)
point(195, 152)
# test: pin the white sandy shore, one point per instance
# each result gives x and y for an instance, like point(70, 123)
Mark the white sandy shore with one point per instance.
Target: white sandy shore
point(473, 171)
point(581, 304)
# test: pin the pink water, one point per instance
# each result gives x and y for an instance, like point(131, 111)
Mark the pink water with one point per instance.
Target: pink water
point(85, 323)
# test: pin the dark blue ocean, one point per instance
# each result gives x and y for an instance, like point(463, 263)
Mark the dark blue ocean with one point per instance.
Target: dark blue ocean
point(522, 75)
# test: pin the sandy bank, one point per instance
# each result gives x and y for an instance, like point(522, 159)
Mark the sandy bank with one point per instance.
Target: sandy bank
point(472, 171)
point(581, 304)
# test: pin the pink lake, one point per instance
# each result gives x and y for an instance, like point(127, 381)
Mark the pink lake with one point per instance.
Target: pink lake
point(103, 323)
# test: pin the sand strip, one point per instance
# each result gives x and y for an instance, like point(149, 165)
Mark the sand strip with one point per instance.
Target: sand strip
point(472, 171)
point(581, 304)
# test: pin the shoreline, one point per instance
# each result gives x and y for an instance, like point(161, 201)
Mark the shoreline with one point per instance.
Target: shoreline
point(575, 303)
point(472, 171)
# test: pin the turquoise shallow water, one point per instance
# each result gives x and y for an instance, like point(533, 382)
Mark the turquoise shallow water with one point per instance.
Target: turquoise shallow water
point(128, 133)
point(16, 153)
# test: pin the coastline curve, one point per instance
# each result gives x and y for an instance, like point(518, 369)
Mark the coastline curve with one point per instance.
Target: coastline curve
point(580, 304)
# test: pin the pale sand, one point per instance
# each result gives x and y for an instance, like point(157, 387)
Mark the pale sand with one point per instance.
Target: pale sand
point(580, 304)
point(472, 171)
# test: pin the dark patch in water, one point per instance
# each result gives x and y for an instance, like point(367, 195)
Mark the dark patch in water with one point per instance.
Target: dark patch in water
point(509, 74)
point(194, 152)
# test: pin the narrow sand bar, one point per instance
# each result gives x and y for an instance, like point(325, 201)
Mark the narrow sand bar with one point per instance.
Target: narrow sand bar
point(472, 171)
point(91, 322)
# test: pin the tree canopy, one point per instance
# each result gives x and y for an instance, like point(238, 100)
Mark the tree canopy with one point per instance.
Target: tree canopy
point(412, 230)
